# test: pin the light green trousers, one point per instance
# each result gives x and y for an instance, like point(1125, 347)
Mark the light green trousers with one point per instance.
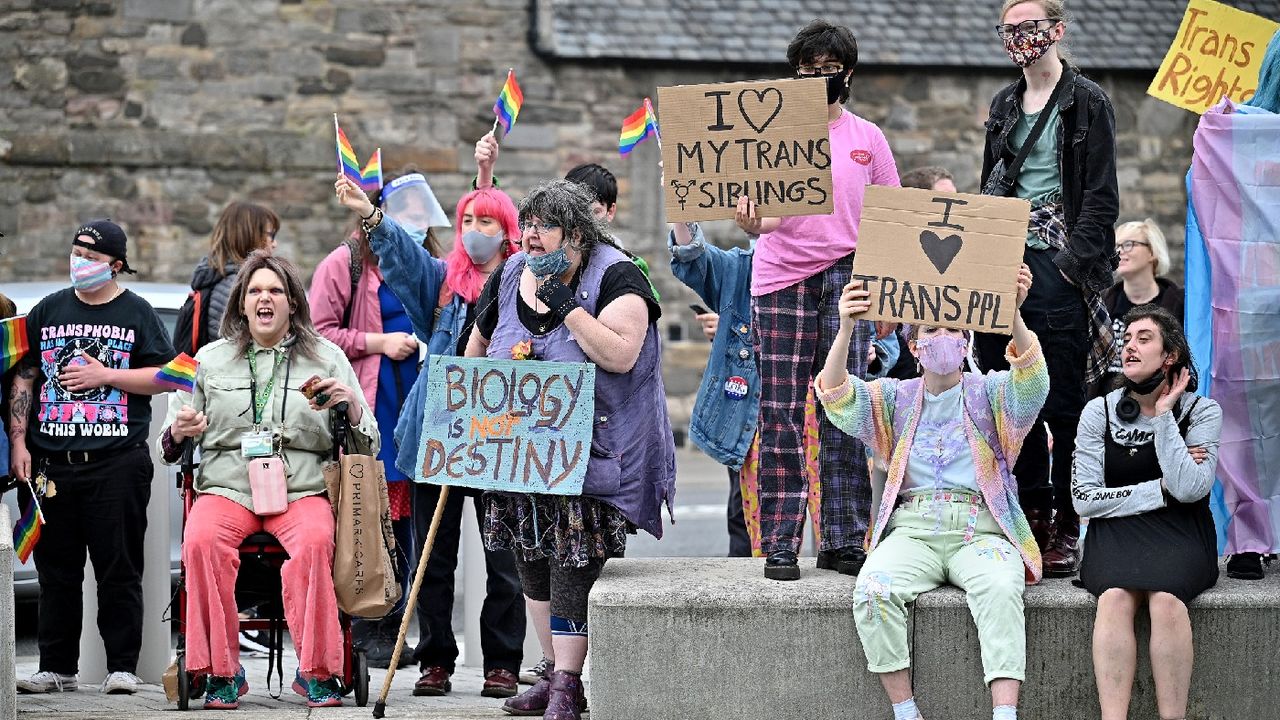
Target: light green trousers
point(927, 544)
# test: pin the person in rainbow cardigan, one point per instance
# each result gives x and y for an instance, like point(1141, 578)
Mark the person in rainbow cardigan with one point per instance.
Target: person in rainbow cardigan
point(949, 512)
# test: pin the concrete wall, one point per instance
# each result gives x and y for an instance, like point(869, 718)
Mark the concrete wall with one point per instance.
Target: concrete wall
point(712, 639)
point(8, 642)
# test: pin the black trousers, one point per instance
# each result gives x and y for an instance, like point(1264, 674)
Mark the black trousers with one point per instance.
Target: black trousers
point(1056, 312)
point(739, 541)
point(502, 620)
point(99, 510)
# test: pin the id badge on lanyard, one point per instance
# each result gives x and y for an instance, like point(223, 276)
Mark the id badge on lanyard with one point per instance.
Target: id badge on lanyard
point(257, 444)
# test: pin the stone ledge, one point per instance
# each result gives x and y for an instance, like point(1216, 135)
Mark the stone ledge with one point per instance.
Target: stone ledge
point(711, 638)
point(8, 641)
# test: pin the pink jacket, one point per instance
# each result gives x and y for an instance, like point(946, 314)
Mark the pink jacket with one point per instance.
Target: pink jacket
point(328, 296)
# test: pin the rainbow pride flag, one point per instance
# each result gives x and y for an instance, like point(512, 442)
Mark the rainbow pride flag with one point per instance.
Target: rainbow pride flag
point(13, 342)
point(26, 533)
point(347, 163)
point(178, 374)
point(639, 125)
point(371, 176)
point(509, 101)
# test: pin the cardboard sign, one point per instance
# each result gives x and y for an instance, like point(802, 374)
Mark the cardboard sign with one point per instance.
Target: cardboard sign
point(510, 425)
point(768, 140)
point(941, 258)
point(1217, 51)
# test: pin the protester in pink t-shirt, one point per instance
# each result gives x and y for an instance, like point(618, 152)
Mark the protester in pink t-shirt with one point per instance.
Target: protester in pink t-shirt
point(801, 266)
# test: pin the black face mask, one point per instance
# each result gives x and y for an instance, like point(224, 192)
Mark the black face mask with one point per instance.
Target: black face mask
point(1127, 408)
point(836, 85)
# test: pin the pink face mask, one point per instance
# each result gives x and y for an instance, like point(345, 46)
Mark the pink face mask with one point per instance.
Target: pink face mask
point(942, 354)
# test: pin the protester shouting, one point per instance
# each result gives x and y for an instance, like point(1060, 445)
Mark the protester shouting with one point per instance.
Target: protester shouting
point(247, 407)
point(1062, 127)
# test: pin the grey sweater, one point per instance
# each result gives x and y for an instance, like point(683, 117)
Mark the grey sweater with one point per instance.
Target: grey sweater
point(1185, 480)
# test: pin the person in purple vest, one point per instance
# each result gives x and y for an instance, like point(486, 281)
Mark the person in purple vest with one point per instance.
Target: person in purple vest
point(572, 296)
point(949, 512)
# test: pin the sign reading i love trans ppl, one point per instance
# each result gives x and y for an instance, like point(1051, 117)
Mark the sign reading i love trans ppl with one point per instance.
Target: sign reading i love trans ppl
point(509, 425)
point(1218, 51)
point(766, 140)
point(946, 259)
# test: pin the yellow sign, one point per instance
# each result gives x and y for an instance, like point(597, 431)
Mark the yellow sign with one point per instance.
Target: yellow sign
point(1217, 51)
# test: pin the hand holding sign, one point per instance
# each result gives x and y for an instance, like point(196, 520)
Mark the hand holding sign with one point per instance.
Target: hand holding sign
point(1024, 283)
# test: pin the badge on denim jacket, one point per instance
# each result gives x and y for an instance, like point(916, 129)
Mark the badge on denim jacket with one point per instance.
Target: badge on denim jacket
point(735, 388)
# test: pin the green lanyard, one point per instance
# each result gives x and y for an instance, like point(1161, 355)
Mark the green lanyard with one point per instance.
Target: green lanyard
point(260, 400)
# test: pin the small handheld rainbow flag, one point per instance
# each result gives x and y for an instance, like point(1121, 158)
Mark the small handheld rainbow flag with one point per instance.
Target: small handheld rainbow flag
point(178, 374)
point(639, 125)
point(347, 163)
point(26, 533)
point(509, 101)
point(371, 176)
point(13, 342)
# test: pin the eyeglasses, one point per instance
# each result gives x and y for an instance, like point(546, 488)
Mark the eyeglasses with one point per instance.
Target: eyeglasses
point(539, 228)
point(1026, 26)
point(1129, 245)
point(824, 69)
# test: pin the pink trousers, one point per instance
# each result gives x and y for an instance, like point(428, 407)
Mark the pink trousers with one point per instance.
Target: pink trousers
point(215, 528)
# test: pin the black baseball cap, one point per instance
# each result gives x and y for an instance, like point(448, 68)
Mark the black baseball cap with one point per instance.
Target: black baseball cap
point(108, 239)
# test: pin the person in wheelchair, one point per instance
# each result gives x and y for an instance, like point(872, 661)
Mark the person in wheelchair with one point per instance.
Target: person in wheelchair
point(263, 443)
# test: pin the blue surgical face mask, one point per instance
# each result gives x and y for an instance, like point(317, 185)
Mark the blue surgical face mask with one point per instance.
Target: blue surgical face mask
point(553, 263)
point(419, 235)
point(481, 247)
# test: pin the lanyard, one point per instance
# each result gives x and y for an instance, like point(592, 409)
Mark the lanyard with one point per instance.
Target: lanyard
point(260, 400)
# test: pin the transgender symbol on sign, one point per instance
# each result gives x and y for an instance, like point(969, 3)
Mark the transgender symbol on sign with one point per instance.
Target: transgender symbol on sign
point(682, 191)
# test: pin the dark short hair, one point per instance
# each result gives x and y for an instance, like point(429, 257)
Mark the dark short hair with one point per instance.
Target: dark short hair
point(925, 177)
point(822, 38)
point(1172, 335)
point(598, 180)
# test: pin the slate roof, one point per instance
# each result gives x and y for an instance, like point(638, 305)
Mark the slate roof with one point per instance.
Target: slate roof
point(1106, 34)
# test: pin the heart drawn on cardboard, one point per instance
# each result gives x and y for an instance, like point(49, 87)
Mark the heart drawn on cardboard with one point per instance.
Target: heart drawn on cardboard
point(940, 251)
point(760, 106)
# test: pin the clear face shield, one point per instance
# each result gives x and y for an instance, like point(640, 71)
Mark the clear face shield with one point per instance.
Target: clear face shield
point(409, 201)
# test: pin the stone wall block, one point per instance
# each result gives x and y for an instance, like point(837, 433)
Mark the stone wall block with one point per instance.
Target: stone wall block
point(438, 47)
point(42, 76)
point(37, 148)
point(369, 20)
point(355, 55)
point(174, 11)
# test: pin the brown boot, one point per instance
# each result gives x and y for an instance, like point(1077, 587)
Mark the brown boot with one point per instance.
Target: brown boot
point(567, 697)
point(1040, 528)
point(1062, 559)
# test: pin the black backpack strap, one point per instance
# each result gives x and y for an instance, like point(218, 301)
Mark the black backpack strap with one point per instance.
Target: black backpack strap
point(355, 269)
point(1012, 169)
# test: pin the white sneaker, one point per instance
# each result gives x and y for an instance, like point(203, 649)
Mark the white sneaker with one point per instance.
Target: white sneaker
point(121, 683)
point(45, 682)
point(531, 675)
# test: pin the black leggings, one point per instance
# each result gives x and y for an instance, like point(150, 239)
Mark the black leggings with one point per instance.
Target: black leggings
point(566, 588)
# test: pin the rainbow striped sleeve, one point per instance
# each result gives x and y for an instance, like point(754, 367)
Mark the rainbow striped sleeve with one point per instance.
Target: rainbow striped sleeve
point(13, 342)
point(507, 108)
point(178, 374)
point(1017, 395)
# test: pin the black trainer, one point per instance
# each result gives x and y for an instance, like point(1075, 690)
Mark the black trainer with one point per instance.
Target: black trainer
point(827, 559)
point(781, 565)
point(1245, 566)
point(849, 560)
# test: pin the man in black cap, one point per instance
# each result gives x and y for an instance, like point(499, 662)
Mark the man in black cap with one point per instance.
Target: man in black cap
point(79, 415)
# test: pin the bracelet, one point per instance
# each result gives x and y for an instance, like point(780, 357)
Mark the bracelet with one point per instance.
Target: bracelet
point(370, 227)
point(371, 213)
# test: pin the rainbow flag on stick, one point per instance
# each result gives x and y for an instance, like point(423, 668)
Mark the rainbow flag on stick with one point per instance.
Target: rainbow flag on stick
point(347, 163)
point(508, 106)
point(639, 125)
point(26, 533)
point(178, 374)
point(13, 342)
point(371, 176)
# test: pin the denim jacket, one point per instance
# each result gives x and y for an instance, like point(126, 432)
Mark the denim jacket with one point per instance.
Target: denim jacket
point(415, 277)
point(728, 405)
point(1087, 166)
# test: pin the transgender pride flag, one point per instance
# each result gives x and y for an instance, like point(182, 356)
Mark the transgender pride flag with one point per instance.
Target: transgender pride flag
point(1233, 313)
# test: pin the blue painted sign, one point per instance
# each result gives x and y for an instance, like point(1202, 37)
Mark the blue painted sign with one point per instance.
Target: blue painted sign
point(508, 425)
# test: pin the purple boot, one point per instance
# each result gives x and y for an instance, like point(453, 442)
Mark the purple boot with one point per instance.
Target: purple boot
point(567, 699)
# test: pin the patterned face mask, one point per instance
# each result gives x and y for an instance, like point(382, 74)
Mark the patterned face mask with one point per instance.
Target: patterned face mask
point(1024, 48)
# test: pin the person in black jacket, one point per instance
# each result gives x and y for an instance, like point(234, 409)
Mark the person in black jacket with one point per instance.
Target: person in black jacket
point(1069, 175)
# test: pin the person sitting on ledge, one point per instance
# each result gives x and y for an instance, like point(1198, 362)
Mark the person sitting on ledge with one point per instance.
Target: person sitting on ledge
point(949, 512)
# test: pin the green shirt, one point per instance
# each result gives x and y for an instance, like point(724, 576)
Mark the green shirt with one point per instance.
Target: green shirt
point(1039, 180)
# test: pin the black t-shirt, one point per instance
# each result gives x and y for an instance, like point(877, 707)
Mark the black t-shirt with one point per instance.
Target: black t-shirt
point(124, 333)
point(621, 278)
point(1120, 305)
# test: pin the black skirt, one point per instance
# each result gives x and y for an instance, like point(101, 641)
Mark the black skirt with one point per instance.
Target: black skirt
point(1173, 549)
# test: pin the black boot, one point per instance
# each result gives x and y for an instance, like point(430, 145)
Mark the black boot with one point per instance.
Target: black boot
point(781, 565)
point(1245, 566)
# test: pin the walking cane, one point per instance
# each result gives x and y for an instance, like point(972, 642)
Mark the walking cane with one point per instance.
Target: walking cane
point(380, 707)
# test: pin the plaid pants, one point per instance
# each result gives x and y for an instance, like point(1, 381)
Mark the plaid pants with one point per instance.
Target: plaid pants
point(794, 329)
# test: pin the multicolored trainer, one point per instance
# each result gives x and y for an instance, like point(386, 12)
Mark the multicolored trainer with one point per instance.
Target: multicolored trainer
point(223, 693)
point(319, 693)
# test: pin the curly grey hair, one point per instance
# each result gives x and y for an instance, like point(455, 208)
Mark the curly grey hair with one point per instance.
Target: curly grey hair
point(568, 205)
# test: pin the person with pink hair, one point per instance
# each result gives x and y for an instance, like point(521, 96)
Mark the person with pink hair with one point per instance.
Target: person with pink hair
point(439, 297)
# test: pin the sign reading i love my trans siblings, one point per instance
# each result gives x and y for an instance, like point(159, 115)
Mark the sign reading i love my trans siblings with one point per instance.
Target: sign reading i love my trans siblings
point(508, 425)
point(766, 140)
point(1218, 51)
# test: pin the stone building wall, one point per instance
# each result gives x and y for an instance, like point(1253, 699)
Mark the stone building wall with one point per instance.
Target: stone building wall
point(158, 112)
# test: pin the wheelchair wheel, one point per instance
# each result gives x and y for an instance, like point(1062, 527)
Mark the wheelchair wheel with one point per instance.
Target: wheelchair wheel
point(360, 677)
point(184, 683)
